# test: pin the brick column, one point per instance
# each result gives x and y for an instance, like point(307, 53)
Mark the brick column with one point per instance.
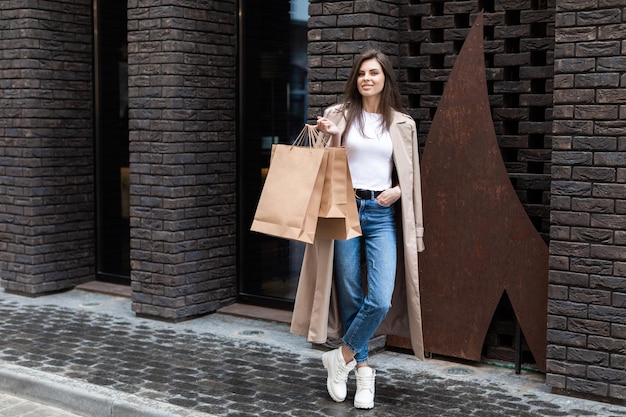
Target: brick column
point(182, 156)
point(46, 141)
point(587, 306)
point(337, 32)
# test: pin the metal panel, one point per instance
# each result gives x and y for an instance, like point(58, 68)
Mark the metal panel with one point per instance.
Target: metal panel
point(479, 239)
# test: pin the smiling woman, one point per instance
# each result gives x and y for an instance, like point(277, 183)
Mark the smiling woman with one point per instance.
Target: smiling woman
point(380, 139)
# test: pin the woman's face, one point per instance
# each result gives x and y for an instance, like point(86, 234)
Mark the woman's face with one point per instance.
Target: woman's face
point(371, 78)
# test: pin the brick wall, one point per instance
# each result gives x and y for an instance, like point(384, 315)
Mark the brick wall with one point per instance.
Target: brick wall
point(519, 44)
point(587, 307)
point(182, 156)
point(424, 38)
point(46, 169)
point(337, 32)
point(519, 50)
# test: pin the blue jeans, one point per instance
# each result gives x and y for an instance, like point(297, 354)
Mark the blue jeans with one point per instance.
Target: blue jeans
point(361, 313)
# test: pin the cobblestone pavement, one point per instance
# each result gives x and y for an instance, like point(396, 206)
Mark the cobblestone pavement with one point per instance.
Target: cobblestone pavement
point(229, 366)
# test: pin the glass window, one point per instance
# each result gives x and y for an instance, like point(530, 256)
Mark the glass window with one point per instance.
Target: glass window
point(111, 131)
point(273, 106)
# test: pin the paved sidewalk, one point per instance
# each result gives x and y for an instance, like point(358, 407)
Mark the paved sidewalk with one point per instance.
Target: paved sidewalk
point(11, 406)
point(90, 354)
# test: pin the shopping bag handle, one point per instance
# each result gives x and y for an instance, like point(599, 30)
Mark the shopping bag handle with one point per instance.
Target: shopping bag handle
point(312, 137)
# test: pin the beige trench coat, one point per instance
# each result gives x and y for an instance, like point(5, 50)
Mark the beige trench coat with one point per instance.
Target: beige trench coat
point(315, 313)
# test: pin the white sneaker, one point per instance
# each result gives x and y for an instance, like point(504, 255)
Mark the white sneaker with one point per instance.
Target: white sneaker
point(338, 371)
point(365, 387)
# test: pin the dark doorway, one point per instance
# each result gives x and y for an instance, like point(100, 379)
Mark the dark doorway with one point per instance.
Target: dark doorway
point(111, 124)
point(272, 109)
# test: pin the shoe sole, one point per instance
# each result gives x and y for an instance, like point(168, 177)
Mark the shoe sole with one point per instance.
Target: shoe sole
point(362, 406)
point(330, 392)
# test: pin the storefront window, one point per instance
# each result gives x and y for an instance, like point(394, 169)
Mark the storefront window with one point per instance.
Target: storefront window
point(273, 106)
point(111, 131)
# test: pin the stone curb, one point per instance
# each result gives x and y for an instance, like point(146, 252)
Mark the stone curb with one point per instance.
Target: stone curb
point(83, 398)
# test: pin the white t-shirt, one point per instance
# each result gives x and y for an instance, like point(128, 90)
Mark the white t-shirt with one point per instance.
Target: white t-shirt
point(370, 156)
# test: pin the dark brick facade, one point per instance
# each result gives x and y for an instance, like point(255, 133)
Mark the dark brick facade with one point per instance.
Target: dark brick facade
point(555, 71)
point(46, 161)
point(424, 39)
point(182, 156)
point(337, 32)
point(519, 44)
point(587, 307)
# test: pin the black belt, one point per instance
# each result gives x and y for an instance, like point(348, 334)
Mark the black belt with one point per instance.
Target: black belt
point(366, 194)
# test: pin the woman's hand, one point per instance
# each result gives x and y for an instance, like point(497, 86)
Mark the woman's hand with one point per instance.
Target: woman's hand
point(389, 196)
point(327, 126)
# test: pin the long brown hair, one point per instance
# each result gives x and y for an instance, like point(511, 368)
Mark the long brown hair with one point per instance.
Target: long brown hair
point(390, 96)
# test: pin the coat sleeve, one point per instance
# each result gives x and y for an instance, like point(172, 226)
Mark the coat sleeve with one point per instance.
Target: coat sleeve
point(417, 192)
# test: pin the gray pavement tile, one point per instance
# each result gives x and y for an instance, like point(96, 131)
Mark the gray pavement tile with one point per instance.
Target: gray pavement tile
point(83, 399)
point(12, 406)
point(229, 366)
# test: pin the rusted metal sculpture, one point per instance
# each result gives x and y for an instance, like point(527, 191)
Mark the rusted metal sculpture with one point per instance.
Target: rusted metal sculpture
point(480, 241)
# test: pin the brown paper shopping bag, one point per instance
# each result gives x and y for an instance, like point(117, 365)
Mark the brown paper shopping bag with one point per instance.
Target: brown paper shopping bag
point(290, 200)
point(338, 217)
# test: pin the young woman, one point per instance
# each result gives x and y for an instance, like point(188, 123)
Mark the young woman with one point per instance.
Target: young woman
point(381, 145)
